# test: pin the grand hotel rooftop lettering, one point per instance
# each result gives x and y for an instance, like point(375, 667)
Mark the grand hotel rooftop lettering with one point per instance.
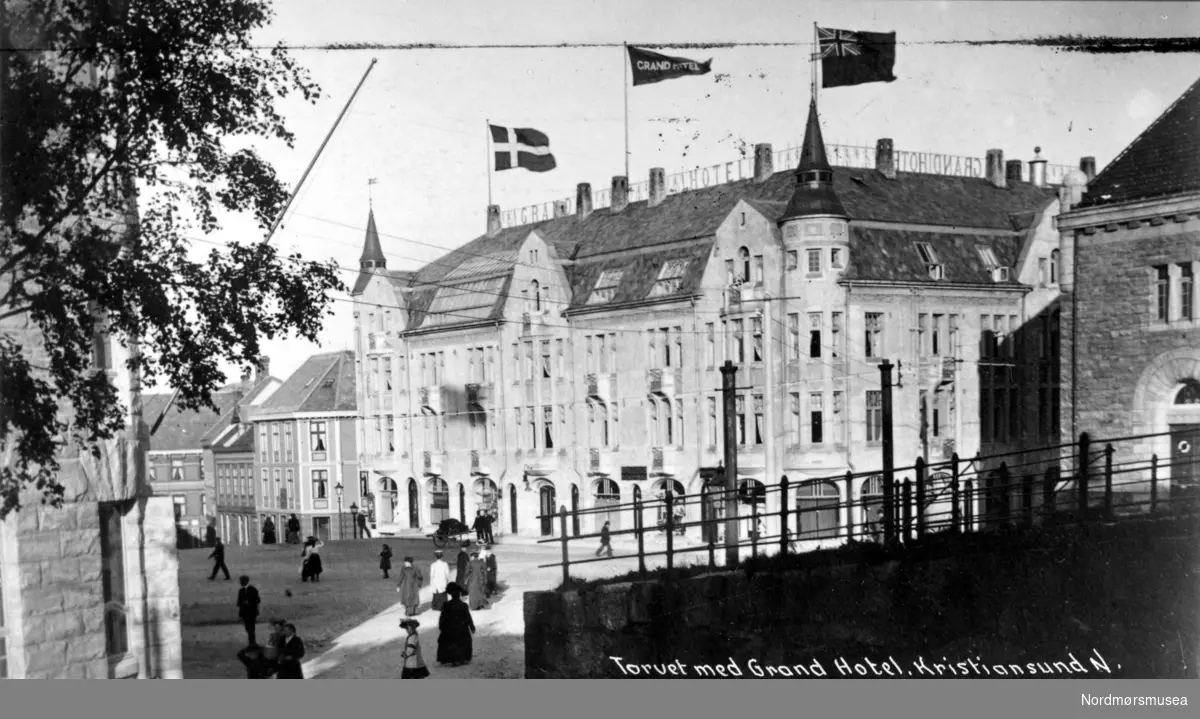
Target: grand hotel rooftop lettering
point(855, 156)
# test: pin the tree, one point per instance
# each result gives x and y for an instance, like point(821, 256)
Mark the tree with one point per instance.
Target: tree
point(126, 128)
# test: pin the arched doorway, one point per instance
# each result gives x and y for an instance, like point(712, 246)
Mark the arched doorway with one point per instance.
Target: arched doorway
point(439, 500)
point(1184, 418)
point(512, 507)
point(414, 505)
point(462, 503)
point(389, 496)
point(678, 499)
point(817, 506)
point(712, 509)
point(606, 500)
point(546, 497)
point(871, 508)
point(752, 494)
point(487, 497)
point(575, 510)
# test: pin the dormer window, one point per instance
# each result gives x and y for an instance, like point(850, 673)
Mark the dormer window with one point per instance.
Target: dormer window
point(606, 286)
point(988, 256)
point(928, 256)
point(670, 278)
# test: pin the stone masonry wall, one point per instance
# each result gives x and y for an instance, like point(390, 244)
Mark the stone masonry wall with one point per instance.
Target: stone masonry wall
point(1128, 593)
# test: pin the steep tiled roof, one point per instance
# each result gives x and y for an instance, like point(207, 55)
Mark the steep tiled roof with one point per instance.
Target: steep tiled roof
point(324, 383)
point(184, 430)
point(239, 440)
point(891, 255)
point(603, 240)
point(400, 279)
point(1163, 161)
point(227, 414)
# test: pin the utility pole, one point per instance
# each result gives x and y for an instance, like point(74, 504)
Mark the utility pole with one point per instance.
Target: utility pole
point(729, 400)
point(889, 491)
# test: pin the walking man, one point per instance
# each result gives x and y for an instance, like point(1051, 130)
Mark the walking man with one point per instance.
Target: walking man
point(290, 654)
point(247, 602)
point(488, 521)
point(218, 557)
point(605, 541)
point(479, 525)
point(365, 531)
point(439, 579)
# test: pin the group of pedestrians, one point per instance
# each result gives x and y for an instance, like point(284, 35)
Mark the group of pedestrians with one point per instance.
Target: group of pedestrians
point(280, 657)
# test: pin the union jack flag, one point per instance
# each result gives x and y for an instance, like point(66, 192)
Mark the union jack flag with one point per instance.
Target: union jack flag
point(838, 43)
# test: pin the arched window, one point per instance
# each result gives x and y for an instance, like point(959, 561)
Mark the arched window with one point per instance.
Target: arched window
point(871, 512)
point(439, 500)
point(678, 500)
point(486, 496)
point(817, 506)
point(607, 498)
point(535, 293)
point(744, 264)
point(1054, 267)
point(462, 503)
point(1189, 393)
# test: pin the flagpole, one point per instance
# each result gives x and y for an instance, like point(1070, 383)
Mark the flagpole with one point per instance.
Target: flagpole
point(812, 60)
point(625, 88)
point(487, 131)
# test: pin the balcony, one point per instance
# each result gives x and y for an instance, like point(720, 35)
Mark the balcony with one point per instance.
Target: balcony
point(480, 394)
point(664, 461)
point(601, 387)
point(434, 462)
point(431, 399)
point(664, 382)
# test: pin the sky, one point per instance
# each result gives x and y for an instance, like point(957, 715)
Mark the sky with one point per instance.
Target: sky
point(418, 123)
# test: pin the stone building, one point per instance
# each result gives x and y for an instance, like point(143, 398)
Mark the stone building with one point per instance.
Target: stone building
point(1131, 333)
point(228, 460)
point(306, 449)
point(574, 361)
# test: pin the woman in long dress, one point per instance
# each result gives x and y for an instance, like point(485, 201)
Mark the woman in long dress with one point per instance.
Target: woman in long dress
point(310, 560)
point(409, 587)
point(477, 582)
point(414, 662)
point(455, 628)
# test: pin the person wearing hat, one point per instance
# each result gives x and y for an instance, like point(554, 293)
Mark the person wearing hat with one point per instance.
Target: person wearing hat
point(274, 642)
point(414, 662)
point(310, 560)
point(248, 602)
point(385, 560)
point(409, 587)
point(489, 559)
point(439, 579)
point(460, 576)
point(257, 665)
point(477, 582)
point(291, 651)
point(455, 628)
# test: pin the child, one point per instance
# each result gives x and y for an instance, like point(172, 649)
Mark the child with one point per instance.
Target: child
point(385, 560)
point(414, 662)
point(257, 666)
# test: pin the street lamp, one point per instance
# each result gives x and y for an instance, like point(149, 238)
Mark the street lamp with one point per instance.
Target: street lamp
point(337, 489)
point(354, 520)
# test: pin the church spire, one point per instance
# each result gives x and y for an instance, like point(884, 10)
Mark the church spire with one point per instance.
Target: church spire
point(814, 194)
point(372, 256)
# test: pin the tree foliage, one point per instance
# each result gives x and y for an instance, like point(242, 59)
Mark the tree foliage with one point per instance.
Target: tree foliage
point(126, 129)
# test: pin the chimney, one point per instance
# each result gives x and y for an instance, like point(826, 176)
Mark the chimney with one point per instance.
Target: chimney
point(264, 366)
point(583, 200)
point(658, 186)
point(885, 158)
point(763, 162)
point(995, 167)
point(620, 194)
point(561, 208)
point(1012, 172)
point(246, 379)
point(493, 220)
point(1088, 165)
point(1037, 169)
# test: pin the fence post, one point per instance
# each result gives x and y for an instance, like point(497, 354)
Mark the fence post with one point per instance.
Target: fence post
point(1005, 494)
point(1108, 479)
point(754, 530)
point(783, 515)
point(1048, 494)
point(956, 509)
point(712, 551)
point(920, 509)
point(1153, 483)
point(1081, 474)
point(849, 506)
point(1027, 499)
point(566, 558)
point(639, 524)
point(968, 507)
point(670, 507)
point(906, 498)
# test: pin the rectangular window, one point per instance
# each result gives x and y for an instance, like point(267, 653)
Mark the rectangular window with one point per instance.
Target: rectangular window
point(548, 427)
point(291, 490)
point(391, 434)
point(666, 347)
point(1164, 293)
point(739, 342)
point(935, 336)
point(652, 348)
point(316, 435)
point(874, 334)
point(320, 482)
point(546, 359)
point(835, 258)
point(710, 346)
point(756, 327)
point(266, 489)
point(112, 579)
point(954, 346)
point(814, 262)
point(1043, 271)
point(758, 269)
point(730, 277)
point(814, 335)
point(203, 505)
point(793, 259)
point(179, 502)
point(713, 425)
point(988, 256)
point(612, 350)
point(559, 349)
point(835, 333)
point(678, 346)
point(670, 278)
point(489, 368)
point(1186, 292)
point(287, 441)
point(794, 427)
point(277, 489)
point(740, 413)
point(275, 444)
point(985, 336)
point(590, 355)
point(759, 429)
point(177, 470)
point(262, 443)
point(874, 416)
point(838, 401)
point(532, 428)
point(816, 418)
point(927, 254)
point(530, 366)
point(378, 422)
point(922, 334)
point(793, 336)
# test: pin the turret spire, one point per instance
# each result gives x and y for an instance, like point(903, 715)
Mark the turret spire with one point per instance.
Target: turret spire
point(372, 256)
point(814, 194)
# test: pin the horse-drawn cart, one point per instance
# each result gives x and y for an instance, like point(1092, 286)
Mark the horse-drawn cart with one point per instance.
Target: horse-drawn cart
point(449, 530)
